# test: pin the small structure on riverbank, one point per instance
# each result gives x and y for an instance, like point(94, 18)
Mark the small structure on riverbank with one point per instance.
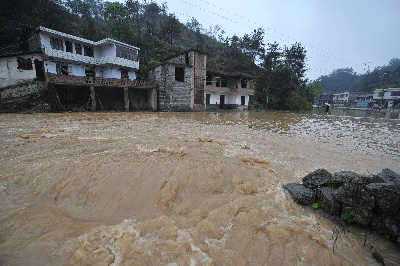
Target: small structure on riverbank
point(63, 70)
point(370, 201)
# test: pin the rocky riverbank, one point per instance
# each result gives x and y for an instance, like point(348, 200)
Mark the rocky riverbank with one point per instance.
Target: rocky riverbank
point(371, 201)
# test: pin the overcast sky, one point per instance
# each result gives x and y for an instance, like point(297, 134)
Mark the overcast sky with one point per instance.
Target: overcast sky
point(336, 33)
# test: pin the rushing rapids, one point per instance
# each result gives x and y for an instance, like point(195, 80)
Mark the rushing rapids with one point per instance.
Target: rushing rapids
point(181, 189)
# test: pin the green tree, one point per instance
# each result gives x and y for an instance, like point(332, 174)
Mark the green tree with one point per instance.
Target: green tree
point(117, 20)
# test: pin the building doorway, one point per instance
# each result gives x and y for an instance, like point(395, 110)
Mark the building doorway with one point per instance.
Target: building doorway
point(208, 98)
point(243, 100)
point(221, 101)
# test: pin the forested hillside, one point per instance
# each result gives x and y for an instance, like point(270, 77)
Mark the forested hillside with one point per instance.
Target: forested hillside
point(345, 79)
point(150, 26)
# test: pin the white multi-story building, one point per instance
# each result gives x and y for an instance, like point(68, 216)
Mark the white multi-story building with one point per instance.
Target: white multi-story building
point(61, 59)
point(109, 58)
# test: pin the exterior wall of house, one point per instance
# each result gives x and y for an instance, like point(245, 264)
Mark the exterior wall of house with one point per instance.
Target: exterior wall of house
point(230, 99)
point(112, 72)
point(78, 70)
point(44, 40)
point(50, 66)
point(174, 95)
point(11, 75)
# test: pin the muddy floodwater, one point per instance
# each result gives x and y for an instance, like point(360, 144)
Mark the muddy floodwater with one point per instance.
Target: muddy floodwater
point(182, 188)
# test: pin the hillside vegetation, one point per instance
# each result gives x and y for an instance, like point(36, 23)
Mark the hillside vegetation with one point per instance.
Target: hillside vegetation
point(345, 79)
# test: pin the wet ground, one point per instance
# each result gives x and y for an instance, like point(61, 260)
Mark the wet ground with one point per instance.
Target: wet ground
point(182, 189)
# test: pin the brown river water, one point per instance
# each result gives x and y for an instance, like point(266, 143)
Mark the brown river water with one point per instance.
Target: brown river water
point(182, 188)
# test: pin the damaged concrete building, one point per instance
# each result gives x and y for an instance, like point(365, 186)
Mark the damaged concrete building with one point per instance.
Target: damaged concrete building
point(65, 70)
point(185, 84)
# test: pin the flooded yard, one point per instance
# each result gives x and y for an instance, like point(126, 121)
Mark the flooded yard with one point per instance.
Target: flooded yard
point(182, 188)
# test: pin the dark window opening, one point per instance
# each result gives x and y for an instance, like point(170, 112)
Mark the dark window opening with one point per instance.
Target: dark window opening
point(24, 64)
point(250, 100)
point(187, 59)
point(89, 71)
point(39, 67)
point(244, 83)
point(124, 74)
point(68, 46)
point(243, 100)
point(208, 98)
point(78, 48)
point(180, 74)
point(88, 51)
point(395, 93)
point(222, 83)
point(208, 79)
point(57, 44)
point(130, 54)
point(221, 100)
point(62, 69)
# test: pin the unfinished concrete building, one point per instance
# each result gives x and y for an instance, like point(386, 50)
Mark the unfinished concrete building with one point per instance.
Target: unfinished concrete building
point(72, 71)
point(181, 82)
point(185, 84)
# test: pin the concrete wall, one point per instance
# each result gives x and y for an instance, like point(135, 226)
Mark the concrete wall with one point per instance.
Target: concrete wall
point(11, 75)
point(174, 95)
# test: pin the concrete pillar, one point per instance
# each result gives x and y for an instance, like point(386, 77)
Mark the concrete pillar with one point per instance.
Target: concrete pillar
point(92, 98)
point(126, 99)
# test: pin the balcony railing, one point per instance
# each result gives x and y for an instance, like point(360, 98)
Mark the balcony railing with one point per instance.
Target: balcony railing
point(99, 82)
point(91, 60)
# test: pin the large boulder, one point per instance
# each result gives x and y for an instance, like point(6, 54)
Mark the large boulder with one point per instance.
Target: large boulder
point(344, 177)
point(318, 178)
point(387, 176)
point(327, 201)
point(300, 193)
point(387, 197)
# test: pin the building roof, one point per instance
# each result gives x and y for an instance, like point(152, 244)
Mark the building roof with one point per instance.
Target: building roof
point(83, 40)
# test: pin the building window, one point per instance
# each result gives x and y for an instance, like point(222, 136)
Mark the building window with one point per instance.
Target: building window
point(78, 48)
point(57, 44)
point(243, 100)
point(89, 71)
point(124, 74)
point(62, 69)
point(179, 74)
point(68, 46)
point(222, 83)
point(24, 64)
point(395, 93)
point(88, 51)
point(130, 54)
point(244, 83)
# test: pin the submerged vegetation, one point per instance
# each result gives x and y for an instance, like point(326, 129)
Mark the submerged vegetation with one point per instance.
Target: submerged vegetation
point(280, 70)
